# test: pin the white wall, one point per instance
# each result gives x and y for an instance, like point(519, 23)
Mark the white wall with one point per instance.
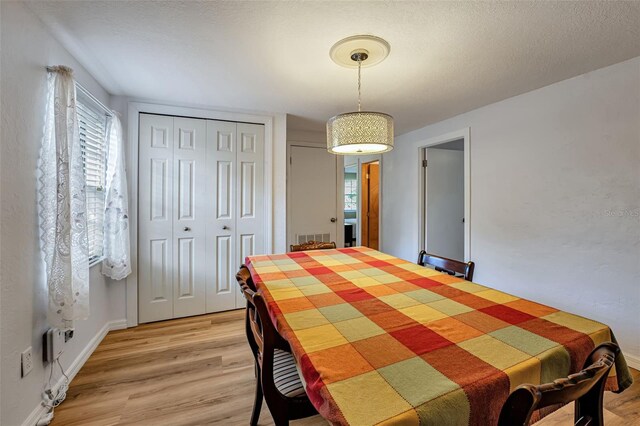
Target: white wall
point(26, 49)
point(296, 135)
point(555, 196)
point(445, 203)
point(280, 183)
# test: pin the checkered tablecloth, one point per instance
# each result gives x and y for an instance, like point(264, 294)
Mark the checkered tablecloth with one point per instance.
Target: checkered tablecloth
point(380, 340)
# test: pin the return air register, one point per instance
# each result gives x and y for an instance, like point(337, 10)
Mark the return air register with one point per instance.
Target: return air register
point(322, 238)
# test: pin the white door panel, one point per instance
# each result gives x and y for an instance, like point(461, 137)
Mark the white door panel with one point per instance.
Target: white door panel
point(221, 159)
point(159, 256)
point(224, 267)
point(189, 213)
point(249, 232)
point(155, 178)
point(313, 194)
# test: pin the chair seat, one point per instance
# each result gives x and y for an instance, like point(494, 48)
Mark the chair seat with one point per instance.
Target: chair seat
point(285, 375)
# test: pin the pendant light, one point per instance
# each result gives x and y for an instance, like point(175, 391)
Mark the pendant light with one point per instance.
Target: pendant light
point(360, 132)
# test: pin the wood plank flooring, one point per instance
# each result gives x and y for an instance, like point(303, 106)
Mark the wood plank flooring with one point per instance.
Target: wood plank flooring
point(199, 371)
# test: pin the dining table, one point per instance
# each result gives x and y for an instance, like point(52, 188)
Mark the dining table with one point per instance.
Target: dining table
point(381, 340)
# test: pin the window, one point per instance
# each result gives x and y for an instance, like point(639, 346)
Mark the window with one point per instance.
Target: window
point(350, 190)
point(92, 124)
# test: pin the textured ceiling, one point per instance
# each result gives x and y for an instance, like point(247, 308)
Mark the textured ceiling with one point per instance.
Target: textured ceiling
point(446, 57)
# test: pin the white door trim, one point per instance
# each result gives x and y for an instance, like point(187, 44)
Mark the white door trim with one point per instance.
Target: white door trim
point(339, 190)
point(134, 110)
point(449, 137)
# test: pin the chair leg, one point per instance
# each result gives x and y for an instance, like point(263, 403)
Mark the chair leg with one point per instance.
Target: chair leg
point(280, 419)
point(590, 404)
point(257, 402)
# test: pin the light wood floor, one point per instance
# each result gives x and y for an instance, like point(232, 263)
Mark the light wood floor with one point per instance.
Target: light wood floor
point(199, 371)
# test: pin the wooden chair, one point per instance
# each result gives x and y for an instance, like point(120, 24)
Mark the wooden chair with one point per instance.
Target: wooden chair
point(277, 376)
point(586, 388)
point(450, 266)
point(244, 279)
point(312, 245)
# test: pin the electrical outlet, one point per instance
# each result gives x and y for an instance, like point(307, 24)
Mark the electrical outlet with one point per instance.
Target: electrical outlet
point(27, 361)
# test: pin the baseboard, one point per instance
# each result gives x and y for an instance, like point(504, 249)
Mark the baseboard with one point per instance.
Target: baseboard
point(632, 361)
point(35, 416)
point(83, 356)
point(77, 364)
point(118, 325)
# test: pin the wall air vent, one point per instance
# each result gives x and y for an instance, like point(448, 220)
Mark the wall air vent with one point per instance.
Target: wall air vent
point(323, 238)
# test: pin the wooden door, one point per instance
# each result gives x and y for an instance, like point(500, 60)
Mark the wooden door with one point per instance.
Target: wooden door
point(312, 184)
point(370, 204)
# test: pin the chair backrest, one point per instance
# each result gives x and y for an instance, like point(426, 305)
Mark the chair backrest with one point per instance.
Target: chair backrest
point(244, 275)
point(261, 333)
point(449, 266)
point(264, 340)
point(312, 245)
point(586, 388)
point(251, 315)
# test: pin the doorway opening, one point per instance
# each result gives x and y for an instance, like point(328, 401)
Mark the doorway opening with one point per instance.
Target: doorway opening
point(370, 205)
point(445, 196)
point(350, 205)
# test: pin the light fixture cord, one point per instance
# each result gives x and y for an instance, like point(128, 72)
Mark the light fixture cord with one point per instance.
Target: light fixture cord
point(359, 66)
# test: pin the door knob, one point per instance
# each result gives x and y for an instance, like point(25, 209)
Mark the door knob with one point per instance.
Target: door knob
point(333, 220)
point(187, 229)
point(225, 227)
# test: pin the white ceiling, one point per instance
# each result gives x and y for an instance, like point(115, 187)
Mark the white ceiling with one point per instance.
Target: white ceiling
point(446, 57)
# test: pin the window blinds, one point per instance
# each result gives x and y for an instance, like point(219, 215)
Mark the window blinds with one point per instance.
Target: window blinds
point(92, 124)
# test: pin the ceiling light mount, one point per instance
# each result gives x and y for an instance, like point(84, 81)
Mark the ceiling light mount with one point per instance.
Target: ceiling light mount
point(360, 132)
point(359, 55)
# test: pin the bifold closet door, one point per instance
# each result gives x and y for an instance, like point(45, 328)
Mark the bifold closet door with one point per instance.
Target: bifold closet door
point(201, 212)
point(155, 218)
point(171, 219)
point(221, 269)
point(235, 156)
point(250, 202)
point(189, 216)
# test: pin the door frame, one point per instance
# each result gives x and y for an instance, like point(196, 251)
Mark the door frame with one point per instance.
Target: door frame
point(134, 111)
point(360, 160)
point(360, 215)
point(422, 194)
point(339, 190)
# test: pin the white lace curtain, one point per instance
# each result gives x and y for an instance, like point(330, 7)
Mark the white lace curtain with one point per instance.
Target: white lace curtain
point(117, 262)
point(62, 204)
